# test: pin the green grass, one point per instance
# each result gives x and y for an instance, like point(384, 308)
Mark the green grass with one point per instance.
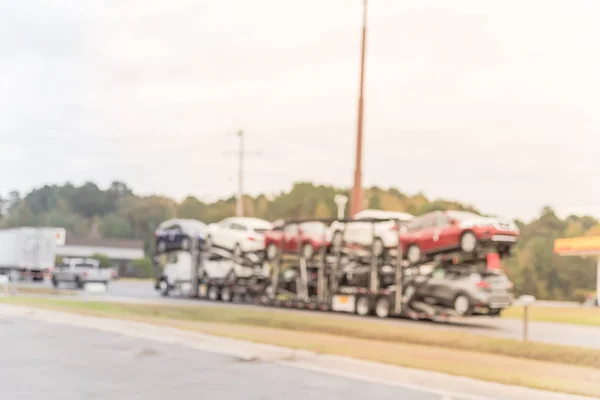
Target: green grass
point(360, 329)
point(568, 315)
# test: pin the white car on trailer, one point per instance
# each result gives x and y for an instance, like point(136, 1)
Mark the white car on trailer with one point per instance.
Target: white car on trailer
point(238, 234)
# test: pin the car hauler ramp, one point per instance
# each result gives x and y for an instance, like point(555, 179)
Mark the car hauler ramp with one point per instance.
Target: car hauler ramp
point(582, 247)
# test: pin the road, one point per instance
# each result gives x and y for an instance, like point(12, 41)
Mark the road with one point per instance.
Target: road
point(564, 334)
point(56, 362)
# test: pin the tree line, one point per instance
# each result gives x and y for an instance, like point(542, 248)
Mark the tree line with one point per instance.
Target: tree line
point(117, 212)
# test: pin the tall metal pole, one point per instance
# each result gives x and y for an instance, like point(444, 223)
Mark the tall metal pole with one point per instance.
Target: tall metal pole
point(356, 204)
point(240, 199)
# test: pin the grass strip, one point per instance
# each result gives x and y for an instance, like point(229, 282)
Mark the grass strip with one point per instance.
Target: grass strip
point(566, 315)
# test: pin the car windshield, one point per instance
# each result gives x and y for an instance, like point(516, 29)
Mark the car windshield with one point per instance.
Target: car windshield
point(84, 265)
point(255, 224)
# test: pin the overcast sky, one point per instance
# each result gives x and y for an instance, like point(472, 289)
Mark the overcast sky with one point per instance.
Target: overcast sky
point(487, 102)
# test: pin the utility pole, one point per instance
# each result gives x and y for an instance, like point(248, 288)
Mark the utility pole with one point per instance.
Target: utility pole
point(241, 154)
point(356, 203)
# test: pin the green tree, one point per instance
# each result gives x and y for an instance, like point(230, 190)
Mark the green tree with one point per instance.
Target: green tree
point(143, 268)
point(191, 207)
point(374, 201)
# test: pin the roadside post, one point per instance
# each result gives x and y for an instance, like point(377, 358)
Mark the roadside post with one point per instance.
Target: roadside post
point(526, 300)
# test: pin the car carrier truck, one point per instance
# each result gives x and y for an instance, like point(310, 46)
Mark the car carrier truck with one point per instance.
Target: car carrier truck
point(345, 278)
point(29, 251)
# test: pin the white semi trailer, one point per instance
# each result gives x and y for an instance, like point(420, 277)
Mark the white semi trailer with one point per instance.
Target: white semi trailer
point(29, 251)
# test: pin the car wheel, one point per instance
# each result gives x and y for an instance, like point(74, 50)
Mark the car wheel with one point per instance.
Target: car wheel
point(272, 251)
point(413, 254)
point(495, 312)
point(378, 247)
point(164, 287)
point(382, 307)
point(213, 293)
point(226, 294)
point(363, 306)
point(161, 247)
point(308, 251)
point(237, 250)
point(462, 305)
point(468, 242)
point(185, 244)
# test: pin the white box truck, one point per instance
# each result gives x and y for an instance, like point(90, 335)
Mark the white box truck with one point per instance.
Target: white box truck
point(30, 251)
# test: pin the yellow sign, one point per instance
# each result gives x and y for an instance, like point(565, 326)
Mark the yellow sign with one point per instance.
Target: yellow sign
point(343, 299)
point(577, 245)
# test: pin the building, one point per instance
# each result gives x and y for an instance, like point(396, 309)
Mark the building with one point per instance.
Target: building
point(121, 251)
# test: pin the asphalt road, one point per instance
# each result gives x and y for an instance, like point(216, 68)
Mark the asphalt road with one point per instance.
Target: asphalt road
point(565, 334)
point(56, 362)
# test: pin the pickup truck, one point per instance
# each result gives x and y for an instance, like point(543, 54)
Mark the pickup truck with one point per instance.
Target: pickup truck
point(79, 271)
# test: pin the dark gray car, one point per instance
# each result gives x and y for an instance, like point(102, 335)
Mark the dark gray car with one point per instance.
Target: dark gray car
point(466, 289)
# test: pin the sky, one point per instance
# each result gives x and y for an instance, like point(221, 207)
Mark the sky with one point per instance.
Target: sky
point(491, 103)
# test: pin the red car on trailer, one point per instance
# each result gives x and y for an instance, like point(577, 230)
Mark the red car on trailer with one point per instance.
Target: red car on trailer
point(308, 236)
point(447, 231)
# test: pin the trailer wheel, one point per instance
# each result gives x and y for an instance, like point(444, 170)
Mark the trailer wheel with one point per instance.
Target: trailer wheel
point(363, 306)
point(382, 307)
point(213, 293)
point(226, 294)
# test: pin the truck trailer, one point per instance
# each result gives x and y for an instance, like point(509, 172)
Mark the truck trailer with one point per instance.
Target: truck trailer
point(29, 251)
